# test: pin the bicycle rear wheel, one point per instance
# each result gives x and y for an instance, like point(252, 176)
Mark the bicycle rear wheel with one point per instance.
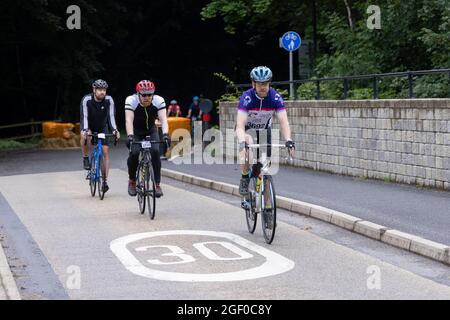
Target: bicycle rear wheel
point(268, 209)
point(101, 178)
point(92, 176)
point(151, 205)
point(141, 186)
point(250, 214)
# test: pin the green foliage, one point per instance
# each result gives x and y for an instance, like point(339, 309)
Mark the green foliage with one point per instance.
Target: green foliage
point(306, 91)
point(414, 35)
point(360, 94)
point(9, 144)
point(228, 96)
point(434, 86)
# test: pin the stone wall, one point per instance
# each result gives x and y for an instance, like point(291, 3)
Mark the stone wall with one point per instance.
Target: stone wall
point(406, 141)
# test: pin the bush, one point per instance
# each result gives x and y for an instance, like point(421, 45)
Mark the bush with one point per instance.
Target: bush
point(306, 91)
point(360, 94)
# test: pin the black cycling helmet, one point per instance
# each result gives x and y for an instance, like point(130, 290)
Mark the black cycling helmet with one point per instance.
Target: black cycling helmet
point(100, 84)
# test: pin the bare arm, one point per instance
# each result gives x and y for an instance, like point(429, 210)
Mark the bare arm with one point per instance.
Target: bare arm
point(129, 118)
point(284, 125)
point(162, 119)
point(241, 119)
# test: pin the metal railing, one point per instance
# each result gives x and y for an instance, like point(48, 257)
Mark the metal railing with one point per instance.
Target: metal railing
point(374, 77)
point(34, 129)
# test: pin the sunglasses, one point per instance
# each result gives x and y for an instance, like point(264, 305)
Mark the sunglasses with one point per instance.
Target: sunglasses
point(146, 94)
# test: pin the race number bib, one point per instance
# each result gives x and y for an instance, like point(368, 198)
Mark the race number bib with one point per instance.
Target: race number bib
point(259, 119)
point(146, 145)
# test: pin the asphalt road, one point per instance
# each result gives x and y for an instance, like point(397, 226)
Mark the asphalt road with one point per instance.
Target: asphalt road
point(62, 243)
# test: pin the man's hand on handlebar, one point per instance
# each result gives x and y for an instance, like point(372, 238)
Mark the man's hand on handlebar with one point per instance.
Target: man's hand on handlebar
point(290, 145)
point(130, 140)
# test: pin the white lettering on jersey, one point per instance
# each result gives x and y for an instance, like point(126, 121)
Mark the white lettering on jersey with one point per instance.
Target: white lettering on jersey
point(259, 119)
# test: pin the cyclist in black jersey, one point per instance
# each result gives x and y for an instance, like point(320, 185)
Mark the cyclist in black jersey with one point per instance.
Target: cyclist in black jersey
point(141, 111)
point(97, 114)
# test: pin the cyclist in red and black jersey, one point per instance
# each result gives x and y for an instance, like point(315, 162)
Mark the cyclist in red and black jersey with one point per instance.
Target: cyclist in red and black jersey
point(141, 111)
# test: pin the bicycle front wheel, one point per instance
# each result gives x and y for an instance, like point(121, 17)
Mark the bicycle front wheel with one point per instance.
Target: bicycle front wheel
point(101, 178)
point(151, 205)
point(141, 186)
point(268, 209)
point(250, 213)
point(92, 176)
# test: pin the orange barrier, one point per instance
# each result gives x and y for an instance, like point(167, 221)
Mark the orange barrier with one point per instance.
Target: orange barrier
point(49, 129)
point(177, 123)
point(52, 129)
point(76, 130)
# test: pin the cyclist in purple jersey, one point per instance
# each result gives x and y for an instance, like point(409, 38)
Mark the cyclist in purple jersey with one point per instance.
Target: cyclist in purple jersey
point(255, 111)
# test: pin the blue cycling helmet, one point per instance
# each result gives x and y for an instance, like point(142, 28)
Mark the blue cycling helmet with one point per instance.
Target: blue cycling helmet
point(195, 98)
point(261, 74)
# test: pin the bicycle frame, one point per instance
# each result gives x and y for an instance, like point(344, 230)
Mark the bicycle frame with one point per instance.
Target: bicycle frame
point(264, 170)
point(97, 153)
point(261, 198)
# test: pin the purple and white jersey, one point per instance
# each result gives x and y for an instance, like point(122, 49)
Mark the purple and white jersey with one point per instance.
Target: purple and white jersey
point(260, 111)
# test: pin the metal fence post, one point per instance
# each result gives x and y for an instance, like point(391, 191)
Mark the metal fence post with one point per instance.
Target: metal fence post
point(375, 88)
point(345, 88)
point(410, 85)
point(317, 90)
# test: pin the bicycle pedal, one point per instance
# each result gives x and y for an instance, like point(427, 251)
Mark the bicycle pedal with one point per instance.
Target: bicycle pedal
point(245, 205)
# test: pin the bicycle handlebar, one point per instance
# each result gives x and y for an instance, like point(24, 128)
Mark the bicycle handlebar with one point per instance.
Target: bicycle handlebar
point(289, 158)
point(259, 145)
point(95, 135)
point(151, 141)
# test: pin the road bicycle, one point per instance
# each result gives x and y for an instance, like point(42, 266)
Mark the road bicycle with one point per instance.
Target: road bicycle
point(145, 179)
point(96, 175)
point(261, 197)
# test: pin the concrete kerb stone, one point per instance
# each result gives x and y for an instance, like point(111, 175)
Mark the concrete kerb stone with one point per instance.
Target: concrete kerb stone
point(344, 220)
point(415, 244)
point(370, 229)
point(188, 179)
point(216, 186)
point(7, 282)
point(429, 249)
point(284, 203)
point(172, 174)
point(227, 188)
point(205, 183)
point(301, 207)
point(397, 239)
point(321, 213)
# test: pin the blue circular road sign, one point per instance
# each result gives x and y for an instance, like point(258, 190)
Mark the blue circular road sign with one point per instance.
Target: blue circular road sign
point(291, 41)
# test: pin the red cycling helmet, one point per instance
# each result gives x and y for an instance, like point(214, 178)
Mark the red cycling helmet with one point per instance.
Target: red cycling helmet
point(145, 87)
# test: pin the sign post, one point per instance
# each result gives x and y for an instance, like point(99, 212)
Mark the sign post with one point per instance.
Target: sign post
point(291, 41)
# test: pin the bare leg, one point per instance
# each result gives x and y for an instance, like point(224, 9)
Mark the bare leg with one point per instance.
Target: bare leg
point(106, 161)
point(245, 156)
point(85, 148)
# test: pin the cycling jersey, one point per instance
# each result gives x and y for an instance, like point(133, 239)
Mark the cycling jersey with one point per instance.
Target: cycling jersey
point(97, 116)
point(260, 111)
point(195, 109)
point(144, 118)
point(173, 110)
